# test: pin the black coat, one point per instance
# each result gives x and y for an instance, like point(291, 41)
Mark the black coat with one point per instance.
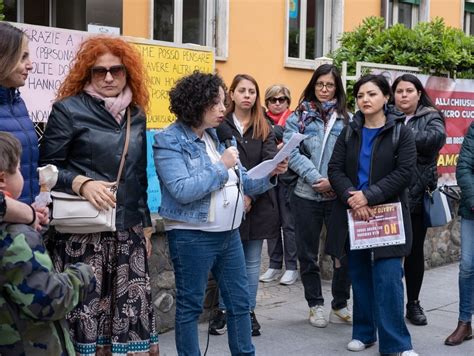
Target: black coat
point(263, 220)
point(428, 128)
point(83, 138)
point(390, 174)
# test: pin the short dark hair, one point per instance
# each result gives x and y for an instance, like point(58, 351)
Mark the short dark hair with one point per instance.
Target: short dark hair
point(10, 152)
point(425, 99)
point(193, 95)
point(340, 95)
point(377, 79)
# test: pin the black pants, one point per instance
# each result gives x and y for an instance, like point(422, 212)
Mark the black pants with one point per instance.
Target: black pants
point(415, 262)
point(309, 217)
point(286, 249)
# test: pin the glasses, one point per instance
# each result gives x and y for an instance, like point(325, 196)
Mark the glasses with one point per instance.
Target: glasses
point(100, 73)
point(281, 99)
point(321, 85)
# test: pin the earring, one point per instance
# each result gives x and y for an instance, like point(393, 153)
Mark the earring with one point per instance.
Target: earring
point(385, 107)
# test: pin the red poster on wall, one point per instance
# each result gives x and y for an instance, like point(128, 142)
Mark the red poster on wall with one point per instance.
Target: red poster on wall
point(455, 98)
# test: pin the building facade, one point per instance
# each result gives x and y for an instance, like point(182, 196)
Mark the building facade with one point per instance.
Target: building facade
point(275, 41)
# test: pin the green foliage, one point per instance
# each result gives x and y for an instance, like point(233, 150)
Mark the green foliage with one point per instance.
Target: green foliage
point(2, 16)
point(432, 46)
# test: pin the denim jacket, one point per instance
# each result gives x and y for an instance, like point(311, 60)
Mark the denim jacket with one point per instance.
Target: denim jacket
point(311, 167)
point(188, 177)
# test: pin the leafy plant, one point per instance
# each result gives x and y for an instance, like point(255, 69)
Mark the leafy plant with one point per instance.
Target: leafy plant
point(432, 46)
point(2, 16)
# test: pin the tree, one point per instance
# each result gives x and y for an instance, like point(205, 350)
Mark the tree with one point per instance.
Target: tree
point(432, 46)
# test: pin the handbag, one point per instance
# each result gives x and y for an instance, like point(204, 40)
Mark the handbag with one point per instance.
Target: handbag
point(74, 214)
point(436, 207)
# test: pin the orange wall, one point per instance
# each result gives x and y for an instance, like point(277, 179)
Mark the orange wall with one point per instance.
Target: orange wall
point(450, 10)
point(356, 11)
point(256, 38)
point(136, 16)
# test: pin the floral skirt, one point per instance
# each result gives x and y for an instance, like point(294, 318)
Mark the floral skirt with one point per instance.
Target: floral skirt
point(117, 317)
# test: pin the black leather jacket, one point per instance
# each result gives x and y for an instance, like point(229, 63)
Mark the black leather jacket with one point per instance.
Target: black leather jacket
point(428, 128)
point(83, 138)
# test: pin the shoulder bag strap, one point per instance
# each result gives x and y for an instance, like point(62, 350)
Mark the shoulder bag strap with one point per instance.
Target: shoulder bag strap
point(124, 153)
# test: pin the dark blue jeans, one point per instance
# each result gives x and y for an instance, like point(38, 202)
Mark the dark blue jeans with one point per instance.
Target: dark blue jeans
point(466, 271)
point(194, 254)
point(309, 217)
point(378, 302)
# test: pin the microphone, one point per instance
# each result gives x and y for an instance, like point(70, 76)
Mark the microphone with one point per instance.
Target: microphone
point(224, 134)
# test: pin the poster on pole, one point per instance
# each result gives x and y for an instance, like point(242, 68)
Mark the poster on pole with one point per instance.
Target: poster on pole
point(384, 229)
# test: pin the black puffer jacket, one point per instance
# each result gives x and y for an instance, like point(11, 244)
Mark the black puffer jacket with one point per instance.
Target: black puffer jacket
point(263, 219)
point(83, 138)
point(390, 173)
point(428, 128)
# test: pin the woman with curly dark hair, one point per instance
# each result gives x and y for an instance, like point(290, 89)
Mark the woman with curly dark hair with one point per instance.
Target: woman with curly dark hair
point(202, 204)
point(85, 138)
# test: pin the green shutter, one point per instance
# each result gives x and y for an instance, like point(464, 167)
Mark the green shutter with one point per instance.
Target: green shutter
point(469, 7)
point(413, 2)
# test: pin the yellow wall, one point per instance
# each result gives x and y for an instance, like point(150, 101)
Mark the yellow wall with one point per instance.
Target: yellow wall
point(136, 16)
point(256, 46)
point(257, 30)
point(356, 11)
point(450, 10)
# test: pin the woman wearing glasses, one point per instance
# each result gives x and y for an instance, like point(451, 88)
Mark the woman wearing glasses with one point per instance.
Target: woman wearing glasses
point(277, 101)
point(85, 138)
point(321, 115)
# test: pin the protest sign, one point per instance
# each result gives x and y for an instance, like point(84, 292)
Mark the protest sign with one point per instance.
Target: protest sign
point(384, 229)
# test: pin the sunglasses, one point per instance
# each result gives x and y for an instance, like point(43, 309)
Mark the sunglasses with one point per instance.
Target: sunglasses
point(100, 73)
point(280, 99)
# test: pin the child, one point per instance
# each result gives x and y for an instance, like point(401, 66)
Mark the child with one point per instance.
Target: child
point(34, 299)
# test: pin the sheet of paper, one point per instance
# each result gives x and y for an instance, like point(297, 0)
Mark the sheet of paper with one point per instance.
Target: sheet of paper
point(266, 167)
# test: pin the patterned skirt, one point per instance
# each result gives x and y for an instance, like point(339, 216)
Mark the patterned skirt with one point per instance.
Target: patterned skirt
point(117, 317)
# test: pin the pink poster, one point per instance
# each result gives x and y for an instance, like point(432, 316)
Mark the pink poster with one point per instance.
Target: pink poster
point(51, 51)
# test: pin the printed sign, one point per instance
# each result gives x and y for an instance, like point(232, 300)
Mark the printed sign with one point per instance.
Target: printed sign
point(53, 49)
point(385, 229)
point(455, 98)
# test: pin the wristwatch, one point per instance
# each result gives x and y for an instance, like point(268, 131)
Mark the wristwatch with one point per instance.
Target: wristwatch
point(3, 206)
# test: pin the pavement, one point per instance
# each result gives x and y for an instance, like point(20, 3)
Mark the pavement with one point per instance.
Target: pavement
point(283, 314)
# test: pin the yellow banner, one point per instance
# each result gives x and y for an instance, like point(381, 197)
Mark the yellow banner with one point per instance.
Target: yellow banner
point(165, 65)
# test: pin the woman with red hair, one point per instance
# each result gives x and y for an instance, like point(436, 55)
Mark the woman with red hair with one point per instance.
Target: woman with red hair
point(85, 138)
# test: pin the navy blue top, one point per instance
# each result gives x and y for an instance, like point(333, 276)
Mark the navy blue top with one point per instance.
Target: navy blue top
point(368, 138)
point(15, 120)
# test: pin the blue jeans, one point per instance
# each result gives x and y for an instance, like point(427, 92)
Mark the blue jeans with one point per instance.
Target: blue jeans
point(253, 258)
point(466, 271)
point(378, 302)
point(194, 254)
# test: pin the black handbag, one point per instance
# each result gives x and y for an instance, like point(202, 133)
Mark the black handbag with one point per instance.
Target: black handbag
point(437, 208)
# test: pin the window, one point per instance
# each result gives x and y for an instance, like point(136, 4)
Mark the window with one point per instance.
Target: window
point(311, 30)
point(469, 17)
point(406, 12)
point(201, 22)
point(71, 14)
